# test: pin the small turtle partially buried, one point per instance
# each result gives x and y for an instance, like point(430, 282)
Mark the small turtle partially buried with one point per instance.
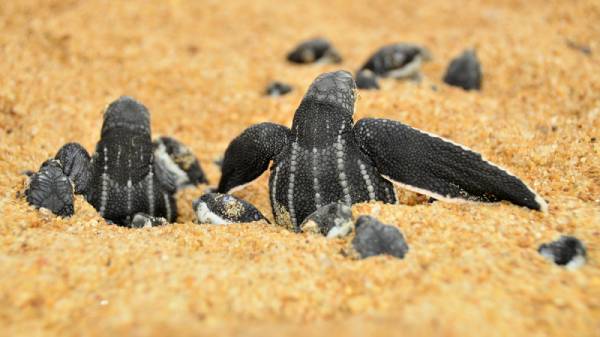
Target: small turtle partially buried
point(464, 71)
point(223, 209)
point(143, 220)
point(326, 158)
point(50, 188)
point(400, 60)
point(180, 166)
point(366, 79)
point(333, 221)
point(277, 88)
point(567, 251)
point(122, 177)
point(314, 50)
point(374, 238)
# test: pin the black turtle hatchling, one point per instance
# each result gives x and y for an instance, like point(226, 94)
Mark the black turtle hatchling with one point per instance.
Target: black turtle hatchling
point(333, 220)
point(464, 71)
point(325, 157)
point(122, 178)
point(143, 220)
point(222, 209)
point(314, 50)
point(178, 164)
point(374, 238)
point(366, 79)
point(567, 251)
point(277, 88)
point(400, 60)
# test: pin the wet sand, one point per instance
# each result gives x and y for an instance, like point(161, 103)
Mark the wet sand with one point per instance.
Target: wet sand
point(201, 69)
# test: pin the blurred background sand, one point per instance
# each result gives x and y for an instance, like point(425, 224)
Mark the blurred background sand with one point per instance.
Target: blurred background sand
point(201, 68)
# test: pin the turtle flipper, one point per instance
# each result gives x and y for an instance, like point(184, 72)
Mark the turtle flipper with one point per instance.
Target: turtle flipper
point(166, 178)
point(50, 188)
point(249, 154)
point(436, 167)
point(178, 166)
point(76, 165)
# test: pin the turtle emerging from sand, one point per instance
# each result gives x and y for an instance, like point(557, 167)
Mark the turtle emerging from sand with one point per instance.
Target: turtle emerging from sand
point(399, 60)
point(325, 158)
point(314, 50)
point(223, 209)
point(127, 174)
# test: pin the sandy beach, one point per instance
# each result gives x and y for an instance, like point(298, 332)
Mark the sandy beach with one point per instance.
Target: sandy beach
point(201, 68)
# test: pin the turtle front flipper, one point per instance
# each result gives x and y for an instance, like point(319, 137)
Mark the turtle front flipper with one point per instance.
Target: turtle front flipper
point(76, 165)
point(436, 167)
point(50, 188)
point(163, 202)
point(166, 177)
point(249, 154)
point(175, 165)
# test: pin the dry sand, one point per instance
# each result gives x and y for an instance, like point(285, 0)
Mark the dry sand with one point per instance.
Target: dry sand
point(201, 68)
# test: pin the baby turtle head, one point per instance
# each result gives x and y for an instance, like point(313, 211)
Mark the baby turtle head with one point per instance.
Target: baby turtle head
point(464, 71)
point(223, 209)
point(335, 88)
point(126, 113)
point(314, 50)
point(326, 109)
point(375, 238)
point(366, 79)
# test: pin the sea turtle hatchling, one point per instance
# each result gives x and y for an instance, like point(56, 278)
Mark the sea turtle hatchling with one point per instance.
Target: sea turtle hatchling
point(277, 88)
point(400, 61)
point(375, 238)
point(325, 158)
point(180, 167)
point(223, 209)
point(314, 50)
point(143, 220)
point(464, 71)
point(127, 174)
point(567, 251)
point(333, 221)
point(366, 79)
